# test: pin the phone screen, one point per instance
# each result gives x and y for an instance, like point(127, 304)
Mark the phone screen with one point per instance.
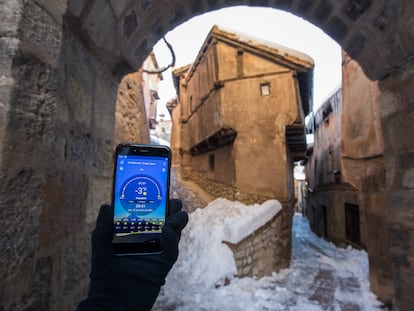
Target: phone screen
point(140, 198)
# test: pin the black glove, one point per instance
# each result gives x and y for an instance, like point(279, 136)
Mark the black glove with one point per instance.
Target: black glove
point(130, 282)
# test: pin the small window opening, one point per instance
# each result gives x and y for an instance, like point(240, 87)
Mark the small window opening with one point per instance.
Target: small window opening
point(211, 160)
point(352, 224)
point(324, 211)
point(330, 161)
point(265, 89)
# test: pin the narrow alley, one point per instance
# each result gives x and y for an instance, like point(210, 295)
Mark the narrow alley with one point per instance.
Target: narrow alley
point(321, 276)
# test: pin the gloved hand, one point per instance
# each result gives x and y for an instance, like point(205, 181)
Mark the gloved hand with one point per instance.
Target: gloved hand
point(130, 282)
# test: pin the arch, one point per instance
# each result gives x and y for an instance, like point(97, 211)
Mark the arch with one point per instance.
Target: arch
point(369, 31)
point(377, 34)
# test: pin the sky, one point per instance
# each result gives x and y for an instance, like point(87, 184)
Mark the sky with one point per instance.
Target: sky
point(321, 276)
point(272, 25)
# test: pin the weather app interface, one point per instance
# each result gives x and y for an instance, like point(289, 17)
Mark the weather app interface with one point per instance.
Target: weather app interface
point(140, 196)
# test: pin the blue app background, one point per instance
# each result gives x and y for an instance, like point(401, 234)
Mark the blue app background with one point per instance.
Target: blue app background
point(140, 192)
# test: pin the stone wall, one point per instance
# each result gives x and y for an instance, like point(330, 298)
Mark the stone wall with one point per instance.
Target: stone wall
point(61, 63)
point(221, 190)
point(397, 116)
point(264, 251)
point(131, 123)
point(268, 248)
point(326, 213)
point(56, 143)
point(363, 166)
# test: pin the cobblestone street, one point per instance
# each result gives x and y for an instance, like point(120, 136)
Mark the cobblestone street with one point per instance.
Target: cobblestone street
point(321, 276)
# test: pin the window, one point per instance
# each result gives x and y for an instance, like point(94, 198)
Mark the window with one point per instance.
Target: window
point(265, 89)
point(324, 211)
point(327, 110)
point(154, 95)
point(330, 161)
point(211, 160)
point(352, 225)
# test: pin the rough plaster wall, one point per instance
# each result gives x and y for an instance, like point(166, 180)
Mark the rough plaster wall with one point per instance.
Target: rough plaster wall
point(328, 144)
point(397, 116)
point(362, 125)
point(334, 200)
point(175, 142)
point(54, 171)
point(260, 155)
point(223, 170)
point(363, 167)
point(130, 117)
point(377, 34)
point(260, 145)
point(30, 47)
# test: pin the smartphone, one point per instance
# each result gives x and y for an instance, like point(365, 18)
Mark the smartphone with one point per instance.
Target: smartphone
point(139, 197)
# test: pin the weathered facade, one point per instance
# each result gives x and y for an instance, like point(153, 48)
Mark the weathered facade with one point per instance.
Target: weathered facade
point(136, 104)
point(345, 170)
point(61, 64)
point(150, 83)
point(130, 117)
point(363, 167)
point(175, 131)
point(330, 196)
point(235, 88)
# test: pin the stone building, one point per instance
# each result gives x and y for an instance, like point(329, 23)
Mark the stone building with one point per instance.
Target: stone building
point(60, 69)
point(323, 167)
point(175, 132)
point(150, 82)
point(348, 149)
point(301, 187)
point(333, 208)
point(136, 104)
point(237, 87)
point(162, 132)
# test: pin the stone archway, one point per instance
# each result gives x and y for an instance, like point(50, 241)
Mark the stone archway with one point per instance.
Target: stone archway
point(370, 33)
point(61, 65)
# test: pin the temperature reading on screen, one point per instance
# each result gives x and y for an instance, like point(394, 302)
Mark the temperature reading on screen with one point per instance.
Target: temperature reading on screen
point(141, 190)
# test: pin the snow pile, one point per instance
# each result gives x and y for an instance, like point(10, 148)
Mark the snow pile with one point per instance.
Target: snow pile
point(241, 221)
point(204, 259)
point(321, 276)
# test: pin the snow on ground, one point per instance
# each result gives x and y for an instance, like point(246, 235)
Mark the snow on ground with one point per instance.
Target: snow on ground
point(321, 276)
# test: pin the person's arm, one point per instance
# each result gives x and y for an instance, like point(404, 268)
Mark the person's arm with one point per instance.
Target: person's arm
point(130, 282)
